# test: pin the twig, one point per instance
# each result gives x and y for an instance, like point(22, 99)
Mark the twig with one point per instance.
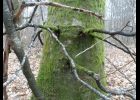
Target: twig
point(125, 47)
point(118, 91)
point(114, 45)
point(91, 47)
point(126, 26)
point(21, 65)
point(39, 37)
point(96, 77)
point(121, 67)
point(33, 13)
point(121, 72)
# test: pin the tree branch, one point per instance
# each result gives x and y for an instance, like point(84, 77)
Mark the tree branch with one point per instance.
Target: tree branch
point(54, 4)
point(121, 73)
point(124, 47)
point(16, 46)
point(111, 33)
point(96, 77)
point(42, 27)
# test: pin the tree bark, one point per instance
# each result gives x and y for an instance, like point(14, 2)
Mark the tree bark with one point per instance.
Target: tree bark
point(5, 65)
point(15, 44)
point(55, 77)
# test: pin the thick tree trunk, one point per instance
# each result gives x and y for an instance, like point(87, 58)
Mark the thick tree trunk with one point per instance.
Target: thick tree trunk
point(55, 78)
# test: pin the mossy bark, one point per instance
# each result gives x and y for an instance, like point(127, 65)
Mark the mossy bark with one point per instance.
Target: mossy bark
point(55, 77)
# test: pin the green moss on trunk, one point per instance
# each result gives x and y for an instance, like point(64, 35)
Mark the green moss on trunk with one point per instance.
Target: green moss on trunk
point(55, 78)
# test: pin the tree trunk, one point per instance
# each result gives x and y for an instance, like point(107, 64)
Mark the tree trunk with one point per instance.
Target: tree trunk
point(55, 78)
point(15, 44)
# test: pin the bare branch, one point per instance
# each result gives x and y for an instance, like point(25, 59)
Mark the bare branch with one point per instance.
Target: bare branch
point(121, 67)
point(33, 13)
point(118, 91)
point(125, 47)
point(112, 33)
point(86, 31)
point(91, 47)
point(42, 27)
point(54, 4)
point(121, 73)
point(72, 62)
point(39, 37)
point(115, 45)
point(96, 77)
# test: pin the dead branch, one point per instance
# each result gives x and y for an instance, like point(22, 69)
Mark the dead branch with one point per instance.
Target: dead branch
point(97, 78)
point(54, 4)
point(121, 73)
point(121, 67)
point(125, 47)
point(33, 13)
point(115, 45)
point(90, 47)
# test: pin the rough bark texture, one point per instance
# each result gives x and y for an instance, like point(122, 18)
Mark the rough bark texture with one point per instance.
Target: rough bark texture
point(16, 45)
point(6, 52)
point(55, 78)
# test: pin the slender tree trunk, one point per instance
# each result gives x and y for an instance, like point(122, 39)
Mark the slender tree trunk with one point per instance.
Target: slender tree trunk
point(15, 44)
point(55, 78)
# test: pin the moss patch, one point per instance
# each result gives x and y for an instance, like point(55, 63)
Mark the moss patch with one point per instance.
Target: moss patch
point(55, 78)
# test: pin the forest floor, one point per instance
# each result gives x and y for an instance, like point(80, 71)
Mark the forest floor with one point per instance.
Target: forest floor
point(19, 90)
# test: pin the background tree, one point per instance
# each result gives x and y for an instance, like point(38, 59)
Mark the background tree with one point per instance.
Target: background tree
point(55, 77)
point(119, 13)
